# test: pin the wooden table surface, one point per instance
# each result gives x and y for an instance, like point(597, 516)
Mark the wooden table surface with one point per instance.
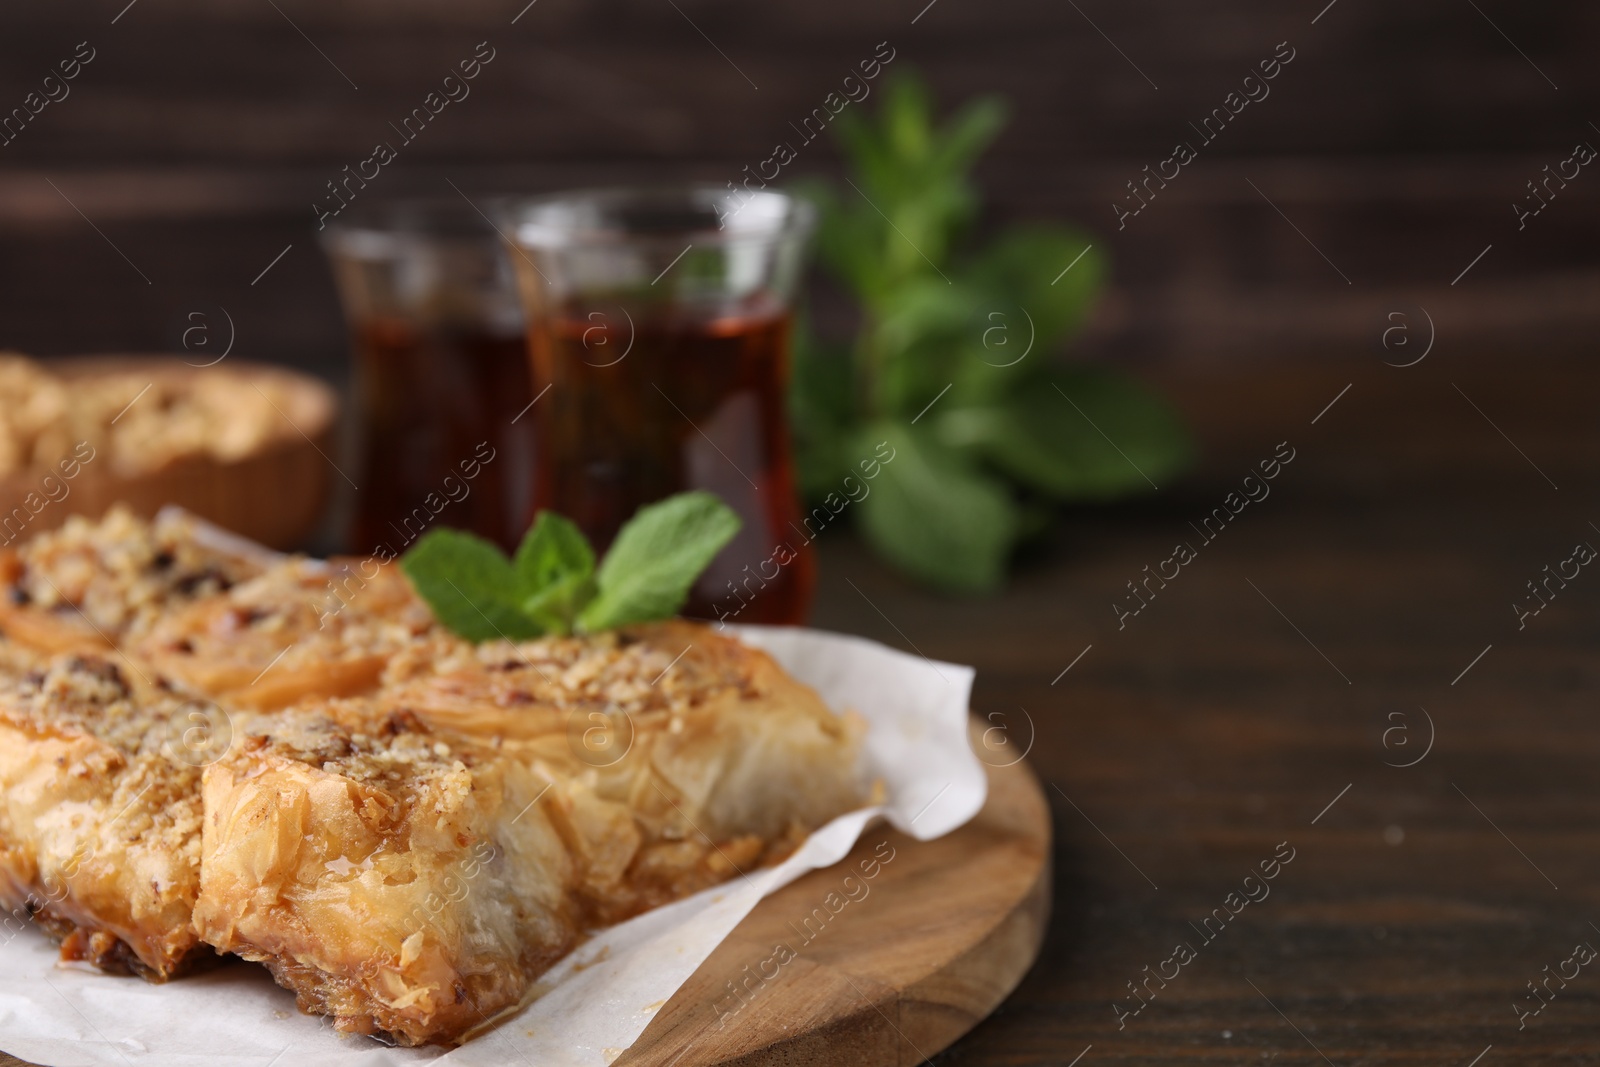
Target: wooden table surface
point(1250, 704)
point(1265, 695)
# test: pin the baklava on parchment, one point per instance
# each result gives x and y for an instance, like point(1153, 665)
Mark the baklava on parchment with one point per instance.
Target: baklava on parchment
point(406, 828)
point(412, 862)
point(697, 737)
point(402, 884)
point(100, 810)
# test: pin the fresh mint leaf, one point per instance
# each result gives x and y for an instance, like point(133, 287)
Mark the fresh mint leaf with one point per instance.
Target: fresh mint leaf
point(966, 135)
point(1139, 441)
point(924, 333)
point(552, 550)
point(911, 195)
point(869, 153)
point(470, 586)
point(555, 572)
point(908, 118)
point(557, 606)
point(1027, 289)
point(656, 558)
point(553, 587)
point(1073, 435)
point(847, 240)
point(927, 309)
point(936, 515)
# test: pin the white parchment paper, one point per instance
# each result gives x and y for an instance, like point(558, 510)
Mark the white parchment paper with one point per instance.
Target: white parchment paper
point(603, 995)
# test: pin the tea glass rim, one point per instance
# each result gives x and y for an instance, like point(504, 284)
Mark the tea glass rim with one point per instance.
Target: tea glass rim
point(379, 230)
point(778, 215)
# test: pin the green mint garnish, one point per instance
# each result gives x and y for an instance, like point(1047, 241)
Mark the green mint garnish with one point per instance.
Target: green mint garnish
point(470, 586)
point(553, 586)
point(656, 558)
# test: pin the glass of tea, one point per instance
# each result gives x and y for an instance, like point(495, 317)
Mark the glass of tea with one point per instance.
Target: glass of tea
point(441, 374)
point(658, 323)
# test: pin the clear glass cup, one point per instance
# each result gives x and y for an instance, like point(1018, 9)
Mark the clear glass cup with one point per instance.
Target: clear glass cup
point(441, 373)
point(659, 321)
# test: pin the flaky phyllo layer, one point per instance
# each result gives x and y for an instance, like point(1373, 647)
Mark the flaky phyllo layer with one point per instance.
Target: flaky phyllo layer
point(405, 828)
point(100, 819)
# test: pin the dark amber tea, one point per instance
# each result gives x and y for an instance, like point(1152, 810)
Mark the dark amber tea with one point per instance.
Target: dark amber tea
point(659, 322)
point(643, 409)
point(437, 433)
point(441, 375)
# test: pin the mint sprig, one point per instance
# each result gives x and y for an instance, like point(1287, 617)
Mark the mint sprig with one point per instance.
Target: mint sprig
point(553, 587)
point(953, 363)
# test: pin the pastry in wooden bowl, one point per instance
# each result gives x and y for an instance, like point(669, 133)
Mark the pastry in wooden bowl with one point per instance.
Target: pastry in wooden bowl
point(241, 444)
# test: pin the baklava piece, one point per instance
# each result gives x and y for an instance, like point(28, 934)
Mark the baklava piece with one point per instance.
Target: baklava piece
point(95, 584)
point(100, 812)
point(684, 754)
point(302, 629)
point(404, 885)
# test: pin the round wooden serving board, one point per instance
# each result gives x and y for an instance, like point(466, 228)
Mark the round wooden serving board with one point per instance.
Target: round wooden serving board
point(943, 933)
point(909, 961)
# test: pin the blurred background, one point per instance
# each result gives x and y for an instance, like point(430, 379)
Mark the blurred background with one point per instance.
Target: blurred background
point(201, 134)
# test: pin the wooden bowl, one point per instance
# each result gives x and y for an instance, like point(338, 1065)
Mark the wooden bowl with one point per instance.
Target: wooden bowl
point(274, 495)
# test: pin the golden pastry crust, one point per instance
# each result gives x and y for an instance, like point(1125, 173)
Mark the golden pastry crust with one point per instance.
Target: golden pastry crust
point(681, 756)
point(301, 629)
point(323, 839)
point(397, 882)
point(93, 585)
point(100, 812)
